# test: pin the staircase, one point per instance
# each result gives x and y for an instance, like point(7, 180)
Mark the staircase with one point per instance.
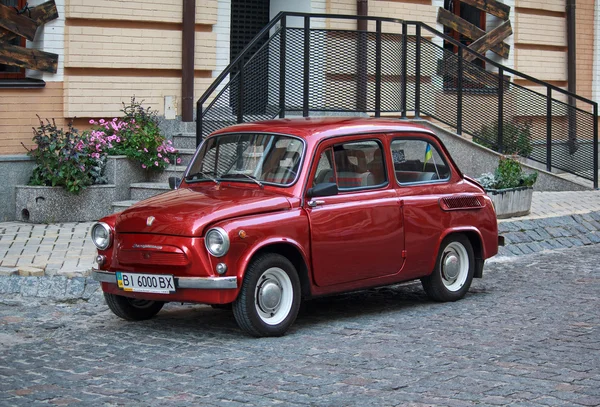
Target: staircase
point(185, 143)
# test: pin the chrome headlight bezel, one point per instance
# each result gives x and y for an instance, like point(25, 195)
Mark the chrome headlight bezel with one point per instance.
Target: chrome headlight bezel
point(109, 239)
point(224, 246)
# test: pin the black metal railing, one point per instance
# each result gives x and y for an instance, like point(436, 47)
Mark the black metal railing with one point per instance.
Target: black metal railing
point(315, 64)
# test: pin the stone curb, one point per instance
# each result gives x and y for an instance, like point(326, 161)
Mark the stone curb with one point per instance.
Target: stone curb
point(537, 235)
point(521, 237)
point(57, 288)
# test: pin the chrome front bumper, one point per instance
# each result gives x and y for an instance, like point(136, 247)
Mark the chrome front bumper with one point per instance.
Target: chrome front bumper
point(202, 283)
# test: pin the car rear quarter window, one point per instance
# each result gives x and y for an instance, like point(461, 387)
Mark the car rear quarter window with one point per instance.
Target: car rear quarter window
point(418, 161)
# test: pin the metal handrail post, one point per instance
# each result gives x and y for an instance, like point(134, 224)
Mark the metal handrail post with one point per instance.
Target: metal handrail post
point(595, 145)
point(198, 123)
point(404, 67)
point(240, 95)
point(549, 129)
point(459, 94)
point(378, 68)
point(418, 72)
point(306, 74)
point(282, 56)
point(500, 127)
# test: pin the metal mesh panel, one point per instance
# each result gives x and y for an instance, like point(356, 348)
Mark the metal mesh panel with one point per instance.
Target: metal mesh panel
point(257, 103)
point(342, 77)
point(438, 98)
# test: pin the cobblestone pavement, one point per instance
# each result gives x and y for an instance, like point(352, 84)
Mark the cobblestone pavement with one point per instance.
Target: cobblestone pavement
point(527, 334)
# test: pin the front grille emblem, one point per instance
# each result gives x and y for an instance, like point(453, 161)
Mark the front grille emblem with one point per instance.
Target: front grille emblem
point(150, 220)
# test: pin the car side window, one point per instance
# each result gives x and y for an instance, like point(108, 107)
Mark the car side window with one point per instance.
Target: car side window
point(418, 161)
point(324, 171)
point(355, 165)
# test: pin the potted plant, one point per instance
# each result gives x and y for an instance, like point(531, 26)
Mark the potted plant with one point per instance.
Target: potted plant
point(509, 188)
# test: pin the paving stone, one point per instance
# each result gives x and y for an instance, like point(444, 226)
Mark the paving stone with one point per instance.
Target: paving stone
point(8, 271)
point(30, 271)
point(29, 286)
point(524, 247)
point(53, 287)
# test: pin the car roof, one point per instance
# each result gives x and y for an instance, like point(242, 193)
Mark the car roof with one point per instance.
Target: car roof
point(323, 127)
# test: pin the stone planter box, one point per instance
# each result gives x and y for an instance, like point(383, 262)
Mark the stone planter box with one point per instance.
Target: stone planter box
point(511, 202)
point(38, 204)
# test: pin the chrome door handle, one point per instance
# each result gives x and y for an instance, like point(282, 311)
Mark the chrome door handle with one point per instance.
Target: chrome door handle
point(314, 202)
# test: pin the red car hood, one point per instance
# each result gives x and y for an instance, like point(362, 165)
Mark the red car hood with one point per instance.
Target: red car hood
point(187, 212)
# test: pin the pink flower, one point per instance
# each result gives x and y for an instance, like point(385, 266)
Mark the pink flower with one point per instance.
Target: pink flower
point(102, 121)
point(156, 163)
point(166, 160)
point(144, 166)
point(92, 121)
point(159, 155)
point(118, 139)
point(115, 119)
point(178, 160)
point(145, 150)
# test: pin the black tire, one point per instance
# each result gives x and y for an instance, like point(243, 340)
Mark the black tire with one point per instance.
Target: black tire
point(132, 309)
point(224, 307)
point(269, 299)
point(442, 284)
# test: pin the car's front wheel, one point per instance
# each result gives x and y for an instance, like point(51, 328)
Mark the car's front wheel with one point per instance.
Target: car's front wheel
point(453, 272)
point(132, 309)
point(269, 299)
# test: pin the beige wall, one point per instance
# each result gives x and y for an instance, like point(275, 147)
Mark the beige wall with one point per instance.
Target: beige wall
point(18, 114)
point(115, 50)
point(540, 29)
point(140, 10)
point(102, 47)
point(102, 96)
point(584, 27)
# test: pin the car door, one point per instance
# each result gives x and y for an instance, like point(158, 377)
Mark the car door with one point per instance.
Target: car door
point(358, 233)
point(422, 175)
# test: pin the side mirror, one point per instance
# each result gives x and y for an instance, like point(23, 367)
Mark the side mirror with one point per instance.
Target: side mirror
point(174, 182)
point(325, 189)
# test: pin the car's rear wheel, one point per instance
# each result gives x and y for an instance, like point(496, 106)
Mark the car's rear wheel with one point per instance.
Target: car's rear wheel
point(269, 299)
point(453, 272)
point(132, 309)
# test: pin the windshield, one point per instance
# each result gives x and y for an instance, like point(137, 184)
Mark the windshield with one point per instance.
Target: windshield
point(257, 158)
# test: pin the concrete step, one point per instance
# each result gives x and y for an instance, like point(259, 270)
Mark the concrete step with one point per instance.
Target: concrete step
point(120, 206)
point(143, 190)
point(186, 155)
point(170, 171)
point(184, 141)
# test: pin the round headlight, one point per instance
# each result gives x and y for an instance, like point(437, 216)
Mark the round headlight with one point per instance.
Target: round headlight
point(217, 242)
point(101, 235)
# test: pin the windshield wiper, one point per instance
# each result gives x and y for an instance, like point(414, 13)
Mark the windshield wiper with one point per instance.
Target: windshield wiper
point(202, 174)
point(257, 182)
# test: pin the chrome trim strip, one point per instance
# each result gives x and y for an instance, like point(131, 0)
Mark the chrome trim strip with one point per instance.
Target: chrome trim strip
point(217, 283)
point(205, 283)
point(104, 276)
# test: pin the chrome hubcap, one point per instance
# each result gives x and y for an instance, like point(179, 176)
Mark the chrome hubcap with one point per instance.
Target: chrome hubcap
point(269, 295)
point(454, 266)
point(451, 266)
point(273, 296)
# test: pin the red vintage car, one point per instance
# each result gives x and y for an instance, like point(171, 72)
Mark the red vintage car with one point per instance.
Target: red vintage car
point(274, 212)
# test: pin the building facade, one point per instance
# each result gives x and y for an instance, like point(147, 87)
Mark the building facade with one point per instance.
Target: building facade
point(109, 51)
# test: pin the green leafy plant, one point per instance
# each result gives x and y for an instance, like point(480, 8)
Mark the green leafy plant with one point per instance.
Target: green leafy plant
point(516, 138)
point(62, 158)
point(135, 135)
point(508, 174)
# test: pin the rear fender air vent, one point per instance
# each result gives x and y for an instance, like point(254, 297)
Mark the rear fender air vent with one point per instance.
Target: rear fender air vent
point(461, 202)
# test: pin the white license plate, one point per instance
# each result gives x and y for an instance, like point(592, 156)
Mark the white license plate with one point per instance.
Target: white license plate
point(146, 283)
